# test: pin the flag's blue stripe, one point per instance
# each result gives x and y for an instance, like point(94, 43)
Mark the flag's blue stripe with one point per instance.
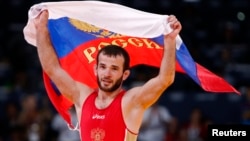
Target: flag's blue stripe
point(184, 58)
point(66, 37)
point(187, 63)
point(159, 40)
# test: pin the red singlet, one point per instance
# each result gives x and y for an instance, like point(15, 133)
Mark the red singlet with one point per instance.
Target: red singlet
point(103, 124)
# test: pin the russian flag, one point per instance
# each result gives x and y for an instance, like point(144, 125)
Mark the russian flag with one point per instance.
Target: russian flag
point(80, 28)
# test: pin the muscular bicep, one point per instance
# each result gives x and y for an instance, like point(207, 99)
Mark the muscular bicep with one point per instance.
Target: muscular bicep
point(147, 94)
point(66, 84)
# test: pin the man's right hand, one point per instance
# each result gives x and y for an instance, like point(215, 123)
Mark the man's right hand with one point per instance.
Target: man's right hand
point(175, 26)
point(41, 19)
point(42, 33)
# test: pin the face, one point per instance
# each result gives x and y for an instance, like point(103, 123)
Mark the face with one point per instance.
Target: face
point(110, 73)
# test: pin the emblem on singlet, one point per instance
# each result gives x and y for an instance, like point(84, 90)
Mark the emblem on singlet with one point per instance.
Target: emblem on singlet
point(97, 134)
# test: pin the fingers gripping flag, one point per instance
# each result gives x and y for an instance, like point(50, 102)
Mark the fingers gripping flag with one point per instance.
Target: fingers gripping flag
point(80, 28)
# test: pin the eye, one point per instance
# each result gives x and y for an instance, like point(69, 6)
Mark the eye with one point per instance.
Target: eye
point(115, 68)
point(101, 66)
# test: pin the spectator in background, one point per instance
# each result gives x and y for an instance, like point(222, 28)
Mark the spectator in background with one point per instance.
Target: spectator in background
point(173, 130)
point(195, 127)
point(155, 123)
point(182, 135)
point(29, 117)
point(10, 128)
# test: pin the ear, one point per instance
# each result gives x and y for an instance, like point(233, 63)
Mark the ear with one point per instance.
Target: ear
point(95, 69)
point(126, 74)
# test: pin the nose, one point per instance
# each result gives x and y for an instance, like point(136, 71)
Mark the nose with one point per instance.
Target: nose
point(107, 73)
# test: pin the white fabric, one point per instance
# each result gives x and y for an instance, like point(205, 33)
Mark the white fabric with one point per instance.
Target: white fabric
point(110, 16)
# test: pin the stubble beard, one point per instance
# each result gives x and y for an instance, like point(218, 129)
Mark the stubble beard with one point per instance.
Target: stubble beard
point(116, 85)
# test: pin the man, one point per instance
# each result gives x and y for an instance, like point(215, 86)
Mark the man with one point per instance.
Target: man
point(109, 113)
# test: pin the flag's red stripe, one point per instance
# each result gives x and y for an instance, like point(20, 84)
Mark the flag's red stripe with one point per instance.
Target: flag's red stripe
point(213, 83)
point(61, 104)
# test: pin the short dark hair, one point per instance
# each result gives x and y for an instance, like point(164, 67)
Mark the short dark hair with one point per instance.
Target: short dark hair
point(114, 50)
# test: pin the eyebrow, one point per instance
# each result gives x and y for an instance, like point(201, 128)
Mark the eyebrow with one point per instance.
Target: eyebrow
point(113, 66)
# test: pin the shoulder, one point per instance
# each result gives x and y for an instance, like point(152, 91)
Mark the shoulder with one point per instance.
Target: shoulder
point(132, 91)
point(85, 91)
point(131, 98)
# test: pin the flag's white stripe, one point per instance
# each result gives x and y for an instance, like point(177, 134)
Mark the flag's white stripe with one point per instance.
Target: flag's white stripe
point(178, 42)
point(110, 16)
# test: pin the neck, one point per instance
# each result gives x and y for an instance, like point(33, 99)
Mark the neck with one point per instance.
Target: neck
point(102, 95)
point(104, 99)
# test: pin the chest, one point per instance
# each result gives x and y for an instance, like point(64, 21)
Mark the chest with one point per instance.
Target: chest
point(103, 122)
point(102, 104)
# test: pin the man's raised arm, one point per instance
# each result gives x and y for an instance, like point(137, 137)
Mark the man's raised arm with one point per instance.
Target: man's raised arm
point(152, 90)
point(49, 61)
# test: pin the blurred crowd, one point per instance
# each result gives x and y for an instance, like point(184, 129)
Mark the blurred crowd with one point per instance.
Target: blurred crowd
point(216, 32)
